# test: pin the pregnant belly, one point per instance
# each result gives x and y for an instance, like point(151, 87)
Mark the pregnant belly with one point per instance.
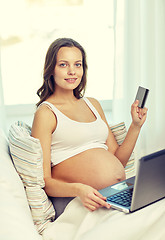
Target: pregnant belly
point(95, 167)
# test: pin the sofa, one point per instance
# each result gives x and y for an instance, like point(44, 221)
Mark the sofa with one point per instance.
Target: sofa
point(76, 223)
point(16, 221)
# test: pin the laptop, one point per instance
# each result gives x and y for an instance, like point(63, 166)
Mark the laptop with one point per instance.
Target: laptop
point(147, 187)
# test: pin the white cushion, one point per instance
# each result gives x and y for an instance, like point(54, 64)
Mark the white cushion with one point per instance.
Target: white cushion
point(16, 222)
point(26, 152)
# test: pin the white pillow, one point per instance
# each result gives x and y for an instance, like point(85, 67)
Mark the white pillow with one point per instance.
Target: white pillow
point(26, 153)
point(16, 222)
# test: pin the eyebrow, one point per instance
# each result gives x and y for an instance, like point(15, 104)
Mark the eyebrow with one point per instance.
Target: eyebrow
point(67, 61)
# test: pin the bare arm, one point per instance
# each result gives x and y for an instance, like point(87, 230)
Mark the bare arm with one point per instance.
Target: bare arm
point(124, 151)
point(44, 125)
point(138, 118)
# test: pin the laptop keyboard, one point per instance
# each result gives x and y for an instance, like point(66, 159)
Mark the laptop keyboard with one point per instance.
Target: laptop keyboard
point(123, 198)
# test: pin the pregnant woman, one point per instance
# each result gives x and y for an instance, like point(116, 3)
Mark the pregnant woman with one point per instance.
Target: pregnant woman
point(80, 153)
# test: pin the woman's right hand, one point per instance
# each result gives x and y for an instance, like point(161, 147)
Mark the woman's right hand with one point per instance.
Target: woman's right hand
point(91, 198)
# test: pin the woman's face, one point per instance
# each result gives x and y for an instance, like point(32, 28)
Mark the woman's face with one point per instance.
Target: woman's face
point(68, 71)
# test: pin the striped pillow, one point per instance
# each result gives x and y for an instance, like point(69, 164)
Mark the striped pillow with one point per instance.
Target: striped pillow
point(119, 131)
point(26, 153)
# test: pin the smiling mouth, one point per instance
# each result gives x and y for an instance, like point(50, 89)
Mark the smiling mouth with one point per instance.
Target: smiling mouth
point(71, 80)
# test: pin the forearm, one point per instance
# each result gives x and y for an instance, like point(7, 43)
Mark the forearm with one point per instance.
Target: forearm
point(124, 152)
point(90, 197)
point(57, 188)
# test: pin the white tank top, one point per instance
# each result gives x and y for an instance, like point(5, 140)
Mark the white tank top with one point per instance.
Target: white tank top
point(71, 137)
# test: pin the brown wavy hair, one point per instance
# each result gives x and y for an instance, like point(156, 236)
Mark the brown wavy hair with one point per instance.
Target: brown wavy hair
point(48, 87)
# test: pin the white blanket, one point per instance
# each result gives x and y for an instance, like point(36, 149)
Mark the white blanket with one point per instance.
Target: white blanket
point(77, 223)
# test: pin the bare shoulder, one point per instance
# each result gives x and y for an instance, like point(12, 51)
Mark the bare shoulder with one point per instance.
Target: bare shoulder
point(42, 110)
point(44, 113)
point(94, 101)
point(44, 118)
point(96, 104)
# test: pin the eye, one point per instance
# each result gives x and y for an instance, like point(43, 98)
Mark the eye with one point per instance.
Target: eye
point(63, 65)
point(78, 64)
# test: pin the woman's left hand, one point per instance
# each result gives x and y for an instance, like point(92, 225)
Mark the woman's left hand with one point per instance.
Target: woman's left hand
point(138, 114)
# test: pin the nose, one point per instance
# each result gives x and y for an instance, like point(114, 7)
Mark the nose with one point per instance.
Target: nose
point(71, 70)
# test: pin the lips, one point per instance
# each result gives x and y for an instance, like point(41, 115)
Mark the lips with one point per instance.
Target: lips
point(71, 80)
